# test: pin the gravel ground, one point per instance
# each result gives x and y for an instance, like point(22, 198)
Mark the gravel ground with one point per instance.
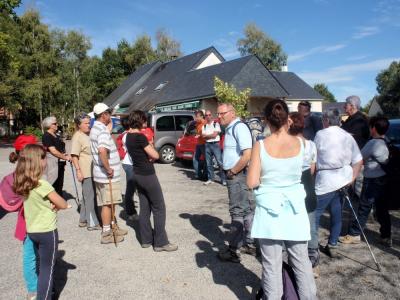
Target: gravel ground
point(197, 219)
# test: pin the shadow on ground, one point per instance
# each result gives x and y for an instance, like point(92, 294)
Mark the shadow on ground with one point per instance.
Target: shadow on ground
point(232, 275)
point(61, 274)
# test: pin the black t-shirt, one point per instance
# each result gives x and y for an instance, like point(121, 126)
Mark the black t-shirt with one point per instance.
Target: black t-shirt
point(135, 143)
point(357, 126)
point(48, 140)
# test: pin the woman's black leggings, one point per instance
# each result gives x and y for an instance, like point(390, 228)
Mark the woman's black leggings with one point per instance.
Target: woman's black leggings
point(46, 244)
point(151, 201)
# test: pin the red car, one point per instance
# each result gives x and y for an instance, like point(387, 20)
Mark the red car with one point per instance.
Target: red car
point(186, 144)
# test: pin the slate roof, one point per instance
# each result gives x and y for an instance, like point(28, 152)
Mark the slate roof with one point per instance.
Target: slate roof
point(296, 87)
point(185, 83)
point(326, 106)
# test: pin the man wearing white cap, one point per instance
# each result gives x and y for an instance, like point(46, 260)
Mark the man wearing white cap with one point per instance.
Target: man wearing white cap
point(106, 166)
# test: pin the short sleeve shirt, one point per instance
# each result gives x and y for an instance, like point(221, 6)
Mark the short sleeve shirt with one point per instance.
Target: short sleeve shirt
point(127, 159)
point(135, 143)
point(210, 129)
point(235, 143)
point(101, 137)
point(310, 154)
point(49, 140)
point(80, 146)
point(199, 130)
point(39, 215)
point(337, 151)
point(375, 152)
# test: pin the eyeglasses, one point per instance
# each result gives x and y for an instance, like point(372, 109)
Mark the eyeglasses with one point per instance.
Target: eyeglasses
point(54, 123)
point(223, 113)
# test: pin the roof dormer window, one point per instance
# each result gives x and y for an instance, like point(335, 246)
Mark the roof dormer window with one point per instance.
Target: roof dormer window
point(141, 90)
point(161, 85)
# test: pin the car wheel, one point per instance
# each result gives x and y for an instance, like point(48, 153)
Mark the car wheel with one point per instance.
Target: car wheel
point(167, 154)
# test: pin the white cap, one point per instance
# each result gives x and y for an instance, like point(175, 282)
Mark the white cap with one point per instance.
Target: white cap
point(99, 108)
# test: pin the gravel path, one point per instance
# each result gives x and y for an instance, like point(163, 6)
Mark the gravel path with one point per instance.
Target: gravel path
point(197, 218)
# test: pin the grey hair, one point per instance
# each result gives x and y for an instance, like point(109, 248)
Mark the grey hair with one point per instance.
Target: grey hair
point(354, 100)
point(332, 116)
point(47, 122)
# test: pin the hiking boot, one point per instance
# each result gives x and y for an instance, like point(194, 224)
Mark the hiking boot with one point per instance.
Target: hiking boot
point(387, 242)
point(92, 228)
point(168, 248)
point(120, 231)
point(31, 296)
point(350, 239)
point(208, 182)
point(108, 238)
point(229, 255)
point(248, 249)
point(331, 251)
point(315, 271)
point(146, 245)
point(82, 224)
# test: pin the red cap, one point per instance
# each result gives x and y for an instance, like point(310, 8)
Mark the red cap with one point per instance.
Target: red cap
point(24, 140)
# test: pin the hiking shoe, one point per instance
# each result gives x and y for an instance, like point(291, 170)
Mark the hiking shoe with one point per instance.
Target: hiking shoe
point(315, 271)
point(133, 218)
point(350, 239)
point(92, 228)
point(248, 249)
point(108, 238)
point(31, 296)
point(229, 255)
point(146, 245)
point(331, 251)
point(387, 242)
point(168, 248)
point(82, 224)
point(208, 182)
point(120, 231)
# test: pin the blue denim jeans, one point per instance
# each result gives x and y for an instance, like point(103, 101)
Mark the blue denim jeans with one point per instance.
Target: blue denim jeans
point(199, 167)
point(213, 149)
point(313, 252)
point(130, 190)
point(29, 265)
point(241, 209)
point(334, 201)
point(371, 194)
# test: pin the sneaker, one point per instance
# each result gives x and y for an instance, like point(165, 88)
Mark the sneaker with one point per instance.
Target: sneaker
point(133, 218)
point(82, 224)
point(120, 232)
point(168, 247)
point(315, 271)
point(229, 255)
point(387, 242)
point(146, 245)
point(108, 238)
point(31, 296)
point(92, 228)
point(208, 182)
point(350, 239)
point(248, 249)
point(331, 250)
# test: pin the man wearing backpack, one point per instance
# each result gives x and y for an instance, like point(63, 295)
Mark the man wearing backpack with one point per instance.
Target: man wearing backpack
point(236, 156)
point(375, 154)
point(211, 131)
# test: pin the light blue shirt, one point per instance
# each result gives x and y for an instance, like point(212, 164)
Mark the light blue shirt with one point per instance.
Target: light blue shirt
point(233, 148)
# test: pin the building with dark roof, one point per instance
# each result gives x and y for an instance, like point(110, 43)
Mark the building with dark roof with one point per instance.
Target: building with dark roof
point(188, 83)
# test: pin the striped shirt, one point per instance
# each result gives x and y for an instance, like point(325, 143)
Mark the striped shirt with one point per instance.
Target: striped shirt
point(100, 137)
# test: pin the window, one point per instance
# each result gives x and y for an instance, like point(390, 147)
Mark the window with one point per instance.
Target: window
point(141, 90)
point(161, 85)
point(181, 122)
point(165, 123)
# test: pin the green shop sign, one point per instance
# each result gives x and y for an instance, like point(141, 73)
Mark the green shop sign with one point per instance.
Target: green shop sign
point(180, 106)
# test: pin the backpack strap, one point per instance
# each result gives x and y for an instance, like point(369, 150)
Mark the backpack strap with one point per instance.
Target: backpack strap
point(233, 131)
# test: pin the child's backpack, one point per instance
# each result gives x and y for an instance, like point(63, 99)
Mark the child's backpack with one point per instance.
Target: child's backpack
point(256, 129)
point(120, 146)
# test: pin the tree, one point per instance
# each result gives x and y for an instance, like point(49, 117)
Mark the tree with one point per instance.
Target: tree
point(167, 47)
point(8, 6)
point(227, 93)
point(323, 90)
point(388, 82)
point(258, 43)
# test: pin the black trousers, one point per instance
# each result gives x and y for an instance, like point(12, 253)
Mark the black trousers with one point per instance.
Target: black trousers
point(151, 201)
point(46, 244)
point(59, 183)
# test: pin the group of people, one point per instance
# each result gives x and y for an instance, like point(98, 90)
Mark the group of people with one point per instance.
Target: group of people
point(278, 187)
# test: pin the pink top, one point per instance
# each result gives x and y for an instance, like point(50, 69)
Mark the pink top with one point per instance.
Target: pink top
point(13, 202)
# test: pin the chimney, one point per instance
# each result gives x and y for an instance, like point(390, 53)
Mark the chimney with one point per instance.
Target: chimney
point(284, 68)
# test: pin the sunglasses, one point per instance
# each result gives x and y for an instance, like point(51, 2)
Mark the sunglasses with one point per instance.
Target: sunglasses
point(54, 123)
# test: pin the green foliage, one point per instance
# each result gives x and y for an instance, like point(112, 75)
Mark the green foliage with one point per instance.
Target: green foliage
point(167, 47)
point(257, 42)
point(389, 90)
point(323, 90)
point(227, 93)
point(35, 131)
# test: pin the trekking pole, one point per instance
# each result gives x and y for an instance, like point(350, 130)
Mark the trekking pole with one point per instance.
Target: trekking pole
point(113, 221)
point(77, 200)
point(346, 196)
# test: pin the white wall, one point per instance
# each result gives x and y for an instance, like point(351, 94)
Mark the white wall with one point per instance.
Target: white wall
point(316, 105)
point(210, 60)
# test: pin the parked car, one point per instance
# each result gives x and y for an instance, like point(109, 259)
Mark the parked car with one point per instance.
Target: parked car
point(168, 127)
point(186, 145)
point(393, 133)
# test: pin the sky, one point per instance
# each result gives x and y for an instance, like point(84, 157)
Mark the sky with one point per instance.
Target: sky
point(342, 43)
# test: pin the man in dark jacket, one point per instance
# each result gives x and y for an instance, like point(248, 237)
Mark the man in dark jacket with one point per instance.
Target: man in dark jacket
point(356, 124)
point(312, 124)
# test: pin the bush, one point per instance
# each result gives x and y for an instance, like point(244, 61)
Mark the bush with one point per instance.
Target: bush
point(35, 131)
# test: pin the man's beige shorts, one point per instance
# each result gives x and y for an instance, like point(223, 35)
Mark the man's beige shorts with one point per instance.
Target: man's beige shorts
point(103, 193)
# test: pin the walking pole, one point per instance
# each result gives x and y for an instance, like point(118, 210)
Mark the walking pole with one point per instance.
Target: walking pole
point(113, 221)
point(78, 202)
point(346, 196)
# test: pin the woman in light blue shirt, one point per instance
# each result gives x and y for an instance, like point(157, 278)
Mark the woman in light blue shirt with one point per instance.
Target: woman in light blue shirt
point(280, 216)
